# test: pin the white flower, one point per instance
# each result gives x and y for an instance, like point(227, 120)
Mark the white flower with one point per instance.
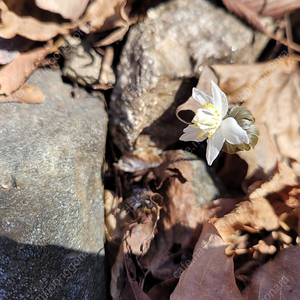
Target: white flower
point(209, 123)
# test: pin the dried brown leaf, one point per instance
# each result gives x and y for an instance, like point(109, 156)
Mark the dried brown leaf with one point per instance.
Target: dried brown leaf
point(69, 9)
point(285, 176)
point(277, 279)
point(140, 234)
point(163, 290)
point(14, 74)
point(13, 24)
point(240, 9)
point(252, 10)
point(98, 11)
point(210, 274)
point(135, 244)
point(107, 15)
point(133, 289)
point(256, 213)
point(272, 8)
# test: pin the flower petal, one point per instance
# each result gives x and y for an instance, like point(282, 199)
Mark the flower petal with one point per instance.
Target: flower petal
point(220, 100)
point(192, 134)
point(201, 97)
point(214, 146)
point(233, 132)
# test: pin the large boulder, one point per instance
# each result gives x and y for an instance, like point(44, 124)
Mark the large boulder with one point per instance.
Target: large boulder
point(162, 56)
point(51, 194)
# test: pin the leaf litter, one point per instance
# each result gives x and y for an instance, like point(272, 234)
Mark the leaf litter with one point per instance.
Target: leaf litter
point(24, 25)
point(179, 256)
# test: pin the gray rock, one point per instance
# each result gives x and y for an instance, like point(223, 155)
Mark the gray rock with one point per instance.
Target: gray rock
point(84, 65)
point(161, 55)
point(51, 194)
point(207, 187)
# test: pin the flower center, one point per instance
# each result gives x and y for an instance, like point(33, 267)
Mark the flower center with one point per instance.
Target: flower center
point(207, 119)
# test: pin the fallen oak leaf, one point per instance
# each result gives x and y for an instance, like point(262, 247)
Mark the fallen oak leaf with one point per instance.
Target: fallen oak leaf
point(210, 274)
point(277, 279)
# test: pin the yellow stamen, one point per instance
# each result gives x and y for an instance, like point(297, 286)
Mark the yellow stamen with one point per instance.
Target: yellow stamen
point(200, 134)
point(216, 111)
point(203, 106)
point(208, 135)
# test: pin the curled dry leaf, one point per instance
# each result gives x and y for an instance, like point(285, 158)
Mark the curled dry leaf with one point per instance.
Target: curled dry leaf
point(69, 9)
point(277, 279)
point(283, 177)
point(135, 244)
point(25, 63)
point(210, 273)
point(29, 27)
point(140, 234)
point(107, 15)
point(271, 92)
point(256, 213)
